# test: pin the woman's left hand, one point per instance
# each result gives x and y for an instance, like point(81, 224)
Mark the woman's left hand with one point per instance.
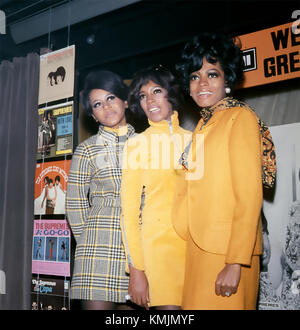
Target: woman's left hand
point(228, 280)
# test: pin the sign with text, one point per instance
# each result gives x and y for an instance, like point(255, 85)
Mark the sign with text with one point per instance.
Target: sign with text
point(55, 130)
point(51, 247)
point(49, 293)
point(271, 55)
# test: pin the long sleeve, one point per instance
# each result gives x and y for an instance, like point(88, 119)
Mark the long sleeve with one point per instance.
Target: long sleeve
point(77, 204)
point(246, 172)
point(131, 192)
point(180, 204)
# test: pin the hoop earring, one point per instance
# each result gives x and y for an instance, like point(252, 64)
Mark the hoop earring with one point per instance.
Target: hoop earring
point(227, 90)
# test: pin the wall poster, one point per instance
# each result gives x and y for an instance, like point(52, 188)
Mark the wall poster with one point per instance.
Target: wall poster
point(51, 247)
point(49, 293)
point(50, 187)
point(57, 75)
point(55, 130)
point(280, 272)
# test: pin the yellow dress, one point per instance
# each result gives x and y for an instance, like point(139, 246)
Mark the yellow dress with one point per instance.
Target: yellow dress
point(221, 217)
point(147, 194)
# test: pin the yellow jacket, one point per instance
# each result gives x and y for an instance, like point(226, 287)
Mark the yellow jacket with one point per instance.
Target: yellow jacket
point(222, 209)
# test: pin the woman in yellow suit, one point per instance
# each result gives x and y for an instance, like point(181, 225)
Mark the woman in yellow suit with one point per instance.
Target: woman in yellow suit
point(221, 220)
point(155, 252)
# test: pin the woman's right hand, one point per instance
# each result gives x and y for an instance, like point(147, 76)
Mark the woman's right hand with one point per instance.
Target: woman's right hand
point(138, 287)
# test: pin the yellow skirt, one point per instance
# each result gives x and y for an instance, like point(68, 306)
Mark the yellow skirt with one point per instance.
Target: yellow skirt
point(202, 269)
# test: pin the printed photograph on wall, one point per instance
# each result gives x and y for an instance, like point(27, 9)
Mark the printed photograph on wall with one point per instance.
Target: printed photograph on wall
point(280, 267)
point(55, 131)
point(50, 187)
point(57, 75)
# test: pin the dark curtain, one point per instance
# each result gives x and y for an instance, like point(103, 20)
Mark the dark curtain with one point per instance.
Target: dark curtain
point(19, 85)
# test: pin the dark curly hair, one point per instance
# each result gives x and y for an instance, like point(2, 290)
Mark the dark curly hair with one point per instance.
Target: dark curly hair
point(106, 80)
point(215, 48)
point(159, 75)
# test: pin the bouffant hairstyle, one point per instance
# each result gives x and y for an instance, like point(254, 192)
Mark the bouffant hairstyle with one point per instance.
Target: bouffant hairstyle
point(159, 75)
point(215, 48)
point(106, 80)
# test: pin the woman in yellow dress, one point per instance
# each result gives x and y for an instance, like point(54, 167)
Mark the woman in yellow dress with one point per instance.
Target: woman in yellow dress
point(155, 252)
point(222, 219)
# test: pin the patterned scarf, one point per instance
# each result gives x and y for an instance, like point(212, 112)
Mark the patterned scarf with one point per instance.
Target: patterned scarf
point(268, 157)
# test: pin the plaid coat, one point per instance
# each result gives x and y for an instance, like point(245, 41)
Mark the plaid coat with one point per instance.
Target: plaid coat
point(93, 209)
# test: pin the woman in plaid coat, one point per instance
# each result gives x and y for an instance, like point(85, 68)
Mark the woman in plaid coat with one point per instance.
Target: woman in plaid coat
point(93, 196)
